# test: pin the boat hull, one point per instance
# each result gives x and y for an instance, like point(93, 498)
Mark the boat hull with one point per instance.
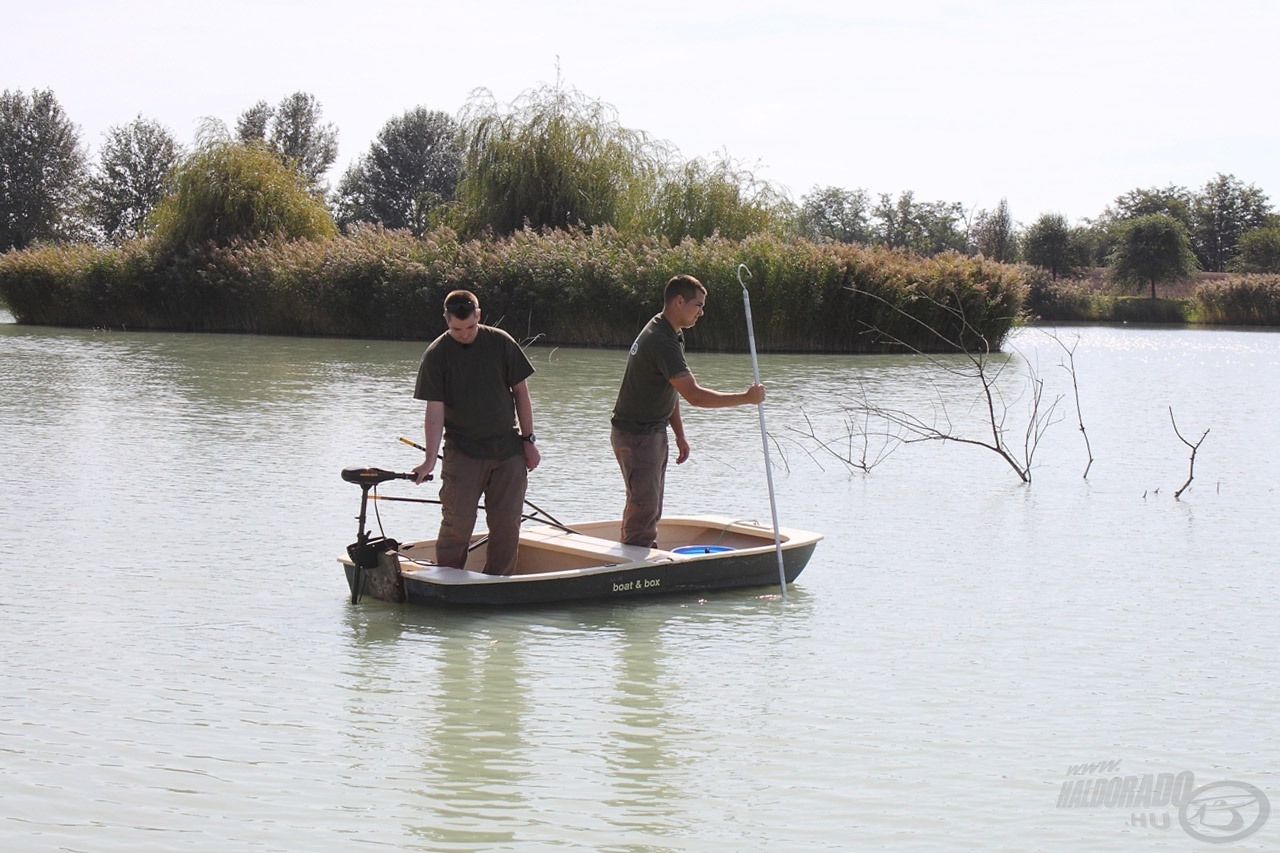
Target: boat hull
point(559, 565)
point(716, 573)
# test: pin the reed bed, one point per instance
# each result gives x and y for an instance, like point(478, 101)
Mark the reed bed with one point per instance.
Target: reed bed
point(562, 287)
point(1241, 300)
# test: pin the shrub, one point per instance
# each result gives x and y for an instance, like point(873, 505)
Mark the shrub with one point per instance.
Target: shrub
point(1065, 299)
point(1143, 309)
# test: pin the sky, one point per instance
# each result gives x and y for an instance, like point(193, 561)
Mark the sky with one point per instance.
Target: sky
point(1056, 106)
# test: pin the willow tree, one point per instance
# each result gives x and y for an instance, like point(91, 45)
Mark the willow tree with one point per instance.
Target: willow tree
point(226, 191)
point(700, 198)
point(553, 158)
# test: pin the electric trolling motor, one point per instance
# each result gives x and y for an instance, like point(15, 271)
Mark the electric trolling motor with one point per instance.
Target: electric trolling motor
point(365, 550)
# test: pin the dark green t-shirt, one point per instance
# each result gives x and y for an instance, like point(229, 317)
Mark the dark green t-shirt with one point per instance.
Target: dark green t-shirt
point(647, 397)
point(474, 382)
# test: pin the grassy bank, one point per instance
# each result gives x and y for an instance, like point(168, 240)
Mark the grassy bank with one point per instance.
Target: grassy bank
point(571, 288)
point(1222, 299)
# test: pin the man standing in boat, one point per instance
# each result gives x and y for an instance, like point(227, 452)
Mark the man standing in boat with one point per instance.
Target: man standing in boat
point(472, 378)
point(656, 377)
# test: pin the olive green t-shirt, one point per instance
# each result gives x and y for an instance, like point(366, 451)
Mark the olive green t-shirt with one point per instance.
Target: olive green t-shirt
point(474, 382)
point(647, 397)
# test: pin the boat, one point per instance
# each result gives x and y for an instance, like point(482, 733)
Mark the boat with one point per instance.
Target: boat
point(561, 563)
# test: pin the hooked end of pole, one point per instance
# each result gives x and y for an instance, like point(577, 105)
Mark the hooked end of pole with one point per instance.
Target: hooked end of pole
point(742, 268)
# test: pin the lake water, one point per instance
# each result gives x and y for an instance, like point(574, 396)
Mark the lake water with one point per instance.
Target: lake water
point(183, 670)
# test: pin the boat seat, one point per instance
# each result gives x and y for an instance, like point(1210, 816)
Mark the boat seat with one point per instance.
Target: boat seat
point(555, 539)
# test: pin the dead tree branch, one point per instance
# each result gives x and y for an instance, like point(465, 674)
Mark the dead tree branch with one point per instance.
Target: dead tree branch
point(1191, 472)
point(864, 459)
point(907, 427)
point(1070, 367)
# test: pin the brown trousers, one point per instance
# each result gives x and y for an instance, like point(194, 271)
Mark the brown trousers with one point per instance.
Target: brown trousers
point(643, 460)
point(502, 483)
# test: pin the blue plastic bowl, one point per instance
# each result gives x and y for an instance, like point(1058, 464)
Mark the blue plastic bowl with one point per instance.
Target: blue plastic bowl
point(702, 549)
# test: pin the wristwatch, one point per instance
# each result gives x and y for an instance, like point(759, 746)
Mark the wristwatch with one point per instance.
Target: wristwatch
point(531, 438)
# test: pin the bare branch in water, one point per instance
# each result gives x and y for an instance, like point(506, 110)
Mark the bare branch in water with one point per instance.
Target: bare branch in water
point(861, 458)
point(1191, 472)
point(1070, 367)
point(906, 427)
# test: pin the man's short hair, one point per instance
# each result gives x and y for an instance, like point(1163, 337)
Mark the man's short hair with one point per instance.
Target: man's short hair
point(682, 285)
point(461, 303)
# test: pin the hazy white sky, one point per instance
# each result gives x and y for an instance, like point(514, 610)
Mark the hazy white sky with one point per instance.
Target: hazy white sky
point(1056, 105)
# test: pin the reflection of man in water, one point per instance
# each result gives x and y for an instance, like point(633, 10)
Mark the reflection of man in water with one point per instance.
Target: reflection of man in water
point(472, 378)
point(647, 402)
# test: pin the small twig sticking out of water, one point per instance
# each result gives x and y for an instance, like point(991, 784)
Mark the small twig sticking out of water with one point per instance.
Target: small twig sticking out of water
point(806, 450)
point(1070, 367)
point(1191, 473)
point(782, 453)
point(860, 460)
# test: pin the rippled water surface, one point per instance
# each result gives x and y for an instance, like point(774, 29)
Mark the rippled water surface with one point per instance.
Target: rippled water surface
point(182, 668)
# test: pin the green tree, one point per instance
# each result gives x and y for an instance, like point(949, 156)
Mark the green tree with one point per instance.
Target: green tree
point(554, 158)
point(1221, 214)
point(1257, 252)
point(130, 178)
point(295, 130)
point(1052, 244)
point(1093, 241)
point(926, 228)
point(945, 228)
point(995, 235)
point(410, 171)
point(227, 191)
point(1099, 236)
point(835, 214)
point(252, 124)
point(1152, 249)
point(1172, 201)
point(299, 134)
point(699, 199)
point(42, 170)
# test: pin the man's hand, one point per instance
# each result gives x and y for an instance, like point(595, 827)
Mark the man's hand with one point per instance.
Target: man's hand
point(682, 446)
point(423, 471)
point(532, 456)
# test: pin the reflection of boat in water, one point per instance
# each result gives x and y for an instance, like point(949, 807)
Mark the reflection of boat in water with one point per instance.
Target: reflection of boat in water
point(559, 562)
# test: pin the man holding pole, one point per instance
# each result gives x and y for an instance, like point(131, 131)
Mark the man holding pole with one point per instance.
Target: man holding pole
point(656, 377)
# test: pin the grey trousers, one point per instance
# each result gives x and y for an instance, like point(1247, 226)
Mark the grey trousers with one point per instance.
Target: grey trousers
point(464, 480)
point(643, 460)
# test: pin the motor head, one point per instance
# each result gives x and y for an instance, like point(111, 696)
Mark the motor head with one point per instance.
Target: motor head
point(372, 476)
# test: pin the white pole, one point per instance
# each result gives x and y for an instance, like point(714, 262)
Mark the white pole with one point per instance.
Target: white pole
point(764, 435)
